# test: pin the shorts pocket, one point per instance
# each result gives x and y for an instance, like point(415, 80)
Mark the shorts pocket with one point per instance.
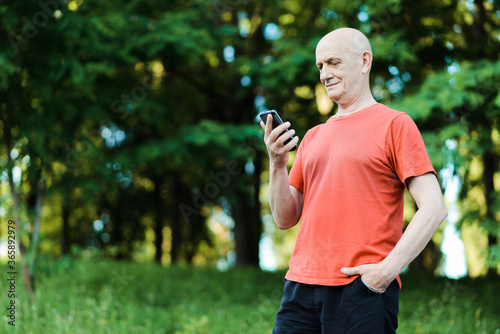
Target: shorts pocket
point(362, 309)
point(365, 287)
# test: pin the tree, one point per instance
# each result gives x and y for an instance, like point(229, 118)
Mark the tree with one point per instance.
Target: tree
point(462, 101)
point(142, 115)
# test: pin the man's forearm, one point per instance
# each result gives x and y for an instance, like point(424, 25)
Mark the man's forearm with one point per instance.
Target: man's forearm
point(419, 232)
point(284, 206)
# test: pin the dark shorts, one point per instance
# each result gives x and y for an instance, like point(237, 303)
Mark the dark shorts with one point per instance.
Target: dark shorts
point(347, 309)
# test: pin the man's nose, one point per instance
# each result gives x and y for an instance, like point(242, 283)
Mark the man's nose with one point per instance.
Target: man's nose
point(325, 75)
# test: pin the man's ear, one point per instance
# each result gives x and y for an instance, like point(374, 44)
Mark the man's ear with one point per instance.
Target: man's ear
point(366, 58)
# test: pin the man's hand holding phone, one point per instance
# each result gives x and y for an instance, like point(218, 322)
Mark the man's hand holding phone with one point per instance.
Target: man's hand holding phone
point(279, 139)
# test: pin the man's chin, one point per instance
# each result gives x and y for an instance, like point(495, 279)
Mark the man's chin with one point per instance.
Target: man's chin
point(333, 97)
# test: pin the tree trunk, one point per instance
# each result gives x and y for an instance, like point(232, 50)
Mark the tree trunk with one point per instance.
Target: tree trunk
point(159, 223)
point(489, 158)
point(175, 221)
point(117, 230)
point(65, 235)
point(247, 222)
point(246, 235)
point(36, 228)
point(489, 189)
point(26, 273)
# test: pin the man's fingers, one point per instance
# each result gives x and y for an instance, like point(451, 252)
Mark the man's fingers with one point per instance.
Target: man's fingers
point(292, 143)
point(269, 124)
point(276, 132)
point(350, 271)
point(284, 136)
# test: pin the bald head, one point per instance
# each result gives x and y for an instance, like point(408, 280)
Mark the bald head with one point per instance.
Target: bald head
point(348, 39)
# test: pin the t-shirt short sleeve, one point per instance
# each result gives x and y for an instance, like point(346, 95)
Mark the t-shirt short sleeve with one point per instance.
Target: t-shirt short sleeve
point(407, 151)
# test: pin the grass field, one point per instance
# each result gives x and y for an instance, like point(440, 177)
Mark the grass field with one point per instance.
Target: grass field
point(86, 296)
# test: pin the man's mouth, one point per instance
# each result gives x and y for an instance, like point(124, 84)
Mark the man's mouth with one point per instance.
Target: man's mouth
point(330, 84)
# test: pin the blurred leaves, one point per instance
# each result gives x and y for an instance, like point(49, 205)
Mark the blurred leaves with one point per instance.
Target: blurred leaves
point(137, 102)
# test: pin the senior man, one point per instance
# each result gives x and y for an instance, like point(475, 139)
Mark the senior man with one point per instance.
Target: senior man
point(347, 187)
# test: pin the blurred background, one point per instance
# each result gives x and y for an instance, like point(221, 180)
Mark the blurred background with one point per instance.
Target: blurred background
point(128, 133)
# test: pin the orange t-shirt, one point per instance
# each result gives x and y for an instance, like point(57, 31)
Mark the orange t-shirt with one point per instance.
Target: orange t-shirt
point(351, 171)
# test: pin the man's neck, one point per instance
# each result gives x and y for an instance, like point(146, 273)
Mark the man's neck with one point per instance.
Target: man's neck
point(358, 105)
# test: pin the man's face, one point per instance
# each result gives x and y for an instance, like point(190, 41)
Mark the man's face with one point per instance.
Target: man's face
point(340, 70)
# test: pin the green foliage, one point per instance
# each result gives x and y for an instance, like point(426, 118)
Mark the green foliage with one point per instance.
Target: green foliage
point(156, 75)
point(95, 296)
point(431, 305)
point(460, 102)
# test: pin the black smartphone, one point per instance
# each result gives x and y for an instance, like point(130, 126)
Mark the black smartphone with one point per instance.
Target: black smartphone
point(276, 121)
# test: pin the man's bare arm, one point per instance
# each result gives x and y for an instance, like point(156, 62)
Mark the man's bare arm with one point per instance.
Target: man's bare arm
point(430, 214)
point(285, 201)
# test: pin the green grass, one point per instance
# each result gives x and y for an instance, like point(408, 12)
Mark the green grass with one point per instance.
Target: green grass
point(114, 297)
